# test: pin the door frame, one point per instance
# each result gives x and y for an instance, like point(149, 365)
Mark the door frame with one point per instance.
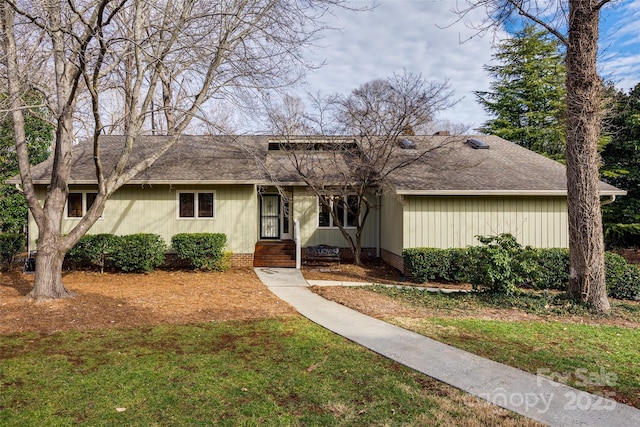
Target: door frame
point(285, 222)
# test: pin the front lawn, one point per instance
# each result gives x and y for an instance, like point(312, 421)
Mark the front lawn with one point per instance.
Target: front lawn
point(284, 371)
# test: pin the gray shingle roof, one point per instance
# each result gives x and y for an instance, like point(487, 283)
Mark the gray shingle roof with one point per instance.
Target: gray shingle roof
point(505, 168)
point(454, 168)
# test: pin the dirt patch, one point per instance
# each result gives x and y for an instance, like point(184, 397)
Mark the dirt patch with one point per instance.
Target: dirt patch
point(129, 300)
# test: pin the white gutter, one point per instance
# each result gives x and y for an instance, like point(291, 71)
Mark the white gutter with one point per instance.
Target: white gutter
point(496, 193)
point(379, 226)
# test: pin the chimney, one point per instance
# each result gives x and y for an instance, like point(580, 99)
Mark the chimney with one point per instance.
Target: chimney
point(443, 133)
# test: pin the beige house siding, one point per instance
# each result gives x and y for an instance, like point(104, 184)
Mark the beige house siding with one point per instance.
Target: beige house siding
point(391, 231)
point(153, 209)
point(305, 209)
point(391, 228)
point(451, 222)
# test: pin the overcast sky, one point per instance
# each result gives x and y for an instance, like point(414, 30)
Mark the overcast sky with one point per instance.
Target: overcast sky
point(422, 37)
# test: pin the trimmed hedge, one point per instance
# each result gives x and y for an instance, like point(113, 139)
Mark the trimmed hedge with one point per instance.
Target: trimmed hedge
point(623, 279)
point(622, 236)
point(552, 268)
point(501, 264)
point(139, 252)
point(95, 250)
point(204, 251)
point(10, 246)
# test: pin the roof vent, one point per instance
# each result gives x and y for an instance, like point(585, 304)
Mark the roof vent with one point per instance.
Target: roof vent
point(407, 144)
point(477, 144)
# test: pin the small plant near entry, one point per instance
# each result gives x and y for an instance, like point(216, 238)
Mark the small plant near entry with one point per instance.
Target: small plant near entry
point(10, 246)
point(205, 251)
point(95, 249)
point(139, 252)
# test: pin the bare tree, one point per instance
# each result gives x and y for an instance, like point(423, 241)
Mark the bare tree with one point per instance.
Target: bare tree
point(135, 66)
point(347, 150)
point(575, 23)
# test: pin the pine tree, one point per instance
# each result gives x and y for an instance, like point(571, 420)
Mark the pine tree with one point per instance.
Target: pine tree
point(528, 95)
point(621, 157)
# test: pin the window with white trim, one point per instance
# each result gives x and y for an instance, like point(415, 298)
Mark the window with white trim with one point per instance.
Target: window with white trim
point(195, 204)
point(345, 211)
point(78, 203)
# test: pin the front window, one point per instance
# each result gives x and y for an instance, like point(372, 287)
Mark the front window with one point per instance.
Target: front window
point(79, 203)
point(196, 205)
point(344, 212)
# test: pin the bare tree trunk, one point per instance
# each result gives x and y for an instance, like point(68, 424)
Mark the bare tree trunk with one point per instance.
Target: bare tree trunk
point(586, 245)
point(357, 253)
point(48, 277)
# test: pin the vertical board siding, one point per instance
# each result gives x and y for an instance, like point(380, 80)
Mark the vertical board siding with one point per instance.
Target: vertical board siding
point(153, 209)
point(305, 209)
point(391, 227)
point(453, 222)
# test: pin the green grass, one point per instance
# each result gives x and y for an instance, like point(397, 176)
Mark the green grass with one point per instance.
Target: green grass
point(272, 372)
point(603, 358)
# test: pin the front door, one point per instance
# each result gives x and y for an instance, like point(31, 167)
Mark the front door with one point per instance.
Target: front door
point(270, 216)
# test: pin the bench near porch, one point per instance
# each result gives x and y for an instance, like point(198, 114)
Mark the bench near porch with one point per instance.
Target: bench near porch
point(322, 253)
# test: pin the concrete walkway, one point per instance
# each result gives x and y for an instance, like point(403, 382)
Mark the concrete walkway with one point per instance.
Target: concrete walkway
point(533, 396)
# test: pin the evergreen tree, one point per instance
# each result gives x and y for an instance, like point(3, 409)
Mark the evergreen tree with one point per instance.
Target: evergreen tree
point(528, 94)
point(13, 205)
point(621, 157)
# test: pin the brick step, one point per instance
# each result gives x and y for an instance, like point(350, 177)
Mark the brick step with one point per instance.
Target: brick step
point(290, 254)
point(274, 253)
point(274, 250)
point(270, 263)
point(275, 247)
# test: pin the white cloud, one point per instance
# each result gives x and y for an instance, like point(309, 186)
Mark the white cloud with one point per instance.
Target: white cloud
point(419, 36)
point(423, 36)
point(620, 44)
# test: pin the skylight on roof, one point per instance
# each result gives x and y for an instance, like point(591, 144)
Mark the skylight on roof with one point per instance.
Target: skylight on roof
point(477, 144)
point(407, 144)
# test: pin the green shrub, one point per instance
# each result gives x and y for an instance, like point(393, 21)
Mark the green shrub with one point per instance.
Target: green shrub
point(501, 264)
point(459, 265)
point(496, 264)
point(205, 251)
point(225, 261)
point(628, 285)
point(622, 235)
point(623, 279)
point(95, 250)
point(551, 267)
point(139, 252)
point(426, 263)
point(10, 246)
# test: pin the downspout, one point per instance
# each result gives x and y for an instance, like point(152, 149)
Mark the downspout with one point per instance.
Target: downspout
point(609, 200)
point(379, 220)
